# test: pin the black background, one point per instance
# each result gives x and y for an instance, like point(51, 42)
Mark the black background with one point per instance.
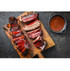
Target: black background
point(62, 41)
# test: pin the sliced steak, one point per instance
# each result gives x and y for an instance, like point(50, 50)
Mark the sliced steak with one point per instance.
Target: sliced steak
point(32, 26)
point(35, 34)
point(29, 17)
point(33, 31)
point(38, 38)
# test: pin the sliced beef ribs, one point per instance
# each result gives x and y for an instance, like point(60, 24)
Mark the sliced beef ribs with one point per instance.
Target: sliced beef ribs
point(32, 26)
point(30, 17)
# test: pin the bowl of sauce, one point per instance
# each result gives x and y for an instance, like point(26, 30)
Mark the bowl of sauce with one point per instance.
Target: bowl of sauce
point(57, 23)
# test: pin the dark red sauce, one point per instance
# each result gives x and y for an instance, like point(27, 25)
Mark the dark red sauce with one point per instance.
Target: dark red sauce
point(57, 23)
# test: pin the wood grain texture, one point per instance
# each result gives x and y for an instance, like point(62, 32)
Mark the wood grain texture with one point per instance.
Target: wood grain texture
point(47, 38)
point(34, 50)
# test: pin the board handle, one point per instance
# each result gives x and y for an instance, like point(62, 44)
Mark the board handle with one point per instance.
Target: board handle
point(40, 55)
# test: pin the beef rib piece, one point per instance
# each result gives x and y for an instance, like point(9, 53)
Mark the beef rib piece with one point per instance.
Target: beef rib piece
point(30, 17)
point(35, 24)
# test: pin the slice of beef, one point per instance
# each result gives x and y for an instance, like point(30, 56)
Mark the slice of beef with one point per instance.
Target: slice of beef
point(30, 17)
point(33, 31)
point(32, 26)
point(37, 39)
point(35, 34)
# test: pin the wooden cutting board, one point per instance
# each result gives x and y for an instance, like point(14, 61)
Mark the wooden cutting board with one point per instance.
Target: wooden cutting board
point(35, 51)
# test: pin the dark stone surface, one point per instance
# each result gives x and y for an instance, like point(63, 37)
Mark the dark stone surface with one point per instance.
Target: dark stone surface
point(62, 41)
